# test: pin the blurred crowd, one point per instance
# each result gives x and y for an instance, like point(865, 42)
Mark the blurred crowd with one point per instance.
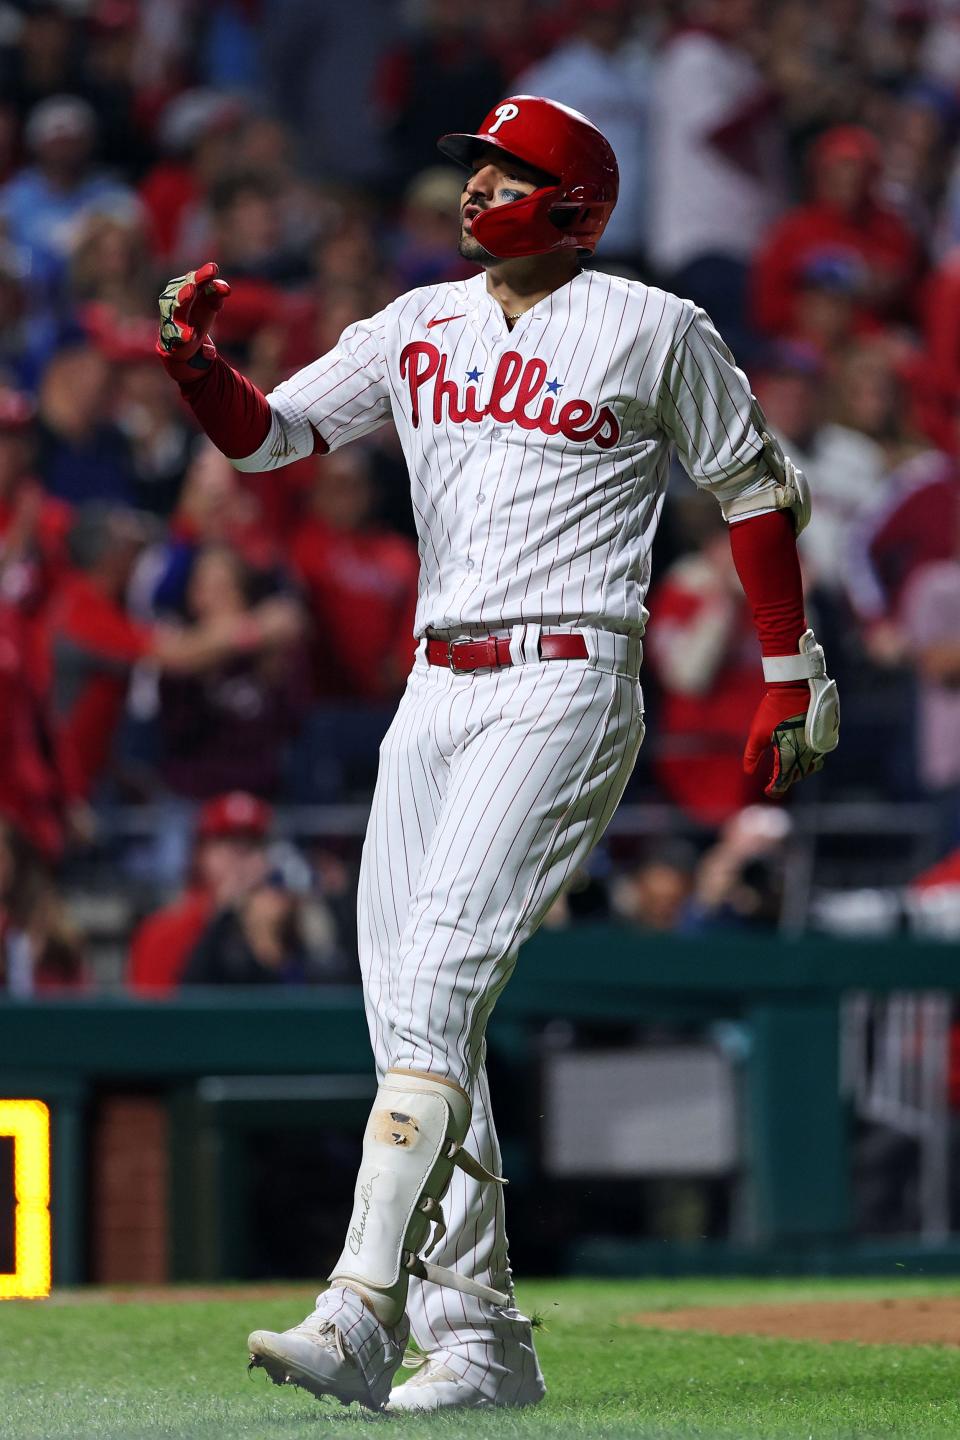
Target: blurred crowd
point(175, 633)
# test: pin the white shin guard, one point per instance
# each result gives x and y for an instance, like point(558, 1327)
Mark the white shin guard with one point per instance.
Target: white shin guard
point(412, 1143)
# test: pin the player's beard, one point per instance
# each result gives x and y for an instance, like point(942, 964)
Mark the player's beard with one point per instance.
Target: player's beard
point(472, 250)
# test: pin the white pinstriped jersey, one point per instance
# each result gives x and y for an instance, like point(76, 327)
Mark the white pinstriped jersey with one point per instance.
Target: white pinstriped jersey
point(538, 456)
point(538, 459)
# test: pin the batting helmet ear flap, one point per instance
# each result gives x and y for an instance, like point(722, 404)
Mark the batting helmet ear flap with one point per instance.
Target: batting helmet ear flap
point(541, 223)
point(524, 227)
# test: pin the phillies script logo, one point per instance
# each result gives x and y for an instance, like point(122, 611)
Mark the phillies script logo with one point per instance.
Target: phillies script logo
point(516, 397)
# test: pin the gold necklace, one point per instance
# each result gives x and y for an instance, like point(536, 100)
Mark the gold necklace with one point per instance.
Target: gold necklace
point(515, 317)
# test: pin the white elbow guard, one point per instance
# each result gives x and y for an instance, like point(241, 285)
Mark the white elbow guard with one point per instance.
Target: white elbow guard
point(821, 730)
point(786, 488)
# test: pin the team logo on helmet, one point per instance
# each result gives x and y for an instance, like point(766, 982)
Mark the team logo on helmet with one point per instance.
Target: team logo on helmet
point(503, 113)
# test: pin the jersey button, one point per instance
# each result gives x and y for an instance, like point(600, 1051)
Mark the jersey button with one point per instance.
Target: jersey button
point(480, 498)
point(496, 434)
point(468, 565)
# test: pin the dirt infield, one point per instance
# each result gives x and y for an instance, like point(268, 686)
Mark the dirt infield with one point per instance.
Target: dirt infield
point(867, 1322)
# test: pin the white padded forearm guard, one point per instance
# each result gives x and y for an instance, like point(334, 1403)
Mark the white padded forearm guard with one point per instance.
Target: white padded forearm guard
point(413, 1141)
point(822, 726)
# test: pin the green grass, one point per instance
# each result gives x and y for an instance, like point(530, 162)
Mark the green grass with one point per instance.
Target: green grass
point(176, 1369)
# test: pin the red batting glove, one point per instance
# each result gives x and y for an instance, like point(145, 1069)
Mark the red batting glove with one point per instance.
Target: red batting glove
point(188, 307)
point(779, 724)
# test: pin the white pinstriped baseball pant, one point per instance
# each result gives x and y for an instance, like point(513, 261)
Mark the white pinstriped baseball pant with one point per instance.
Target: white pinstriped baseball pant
point(493, 787)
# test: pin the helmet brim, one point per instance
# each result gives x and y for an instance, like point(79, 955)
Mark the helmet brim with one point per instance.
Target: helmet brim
point(464, 149)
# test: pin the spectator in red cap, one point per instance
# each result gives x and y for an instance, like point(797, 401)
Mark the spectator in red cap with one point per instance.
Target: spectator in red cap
point(229, 860)
point(845, 222)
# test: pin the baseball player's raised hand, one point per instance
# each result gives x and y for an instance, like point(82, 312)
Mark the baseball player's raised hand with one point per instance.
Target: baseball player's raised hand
point(798, 721)
point(188, 307)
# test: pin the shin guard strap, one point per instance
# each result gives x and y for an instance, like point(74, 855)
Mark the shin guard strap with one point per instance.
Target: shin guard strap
point(465, 1162)
point(452, 1280)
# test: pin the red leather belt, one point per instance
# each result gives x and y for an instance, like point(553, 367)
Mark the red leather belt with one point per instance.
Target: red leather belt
point(494, 651)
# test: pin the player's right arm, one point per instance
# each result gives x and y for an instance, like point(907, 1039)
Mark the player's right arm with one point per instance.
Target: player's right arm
point(340, 396)
point(228, 407)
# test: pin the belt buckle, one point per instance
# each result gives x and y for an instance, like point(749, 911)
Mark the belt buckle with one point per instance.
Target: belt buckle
point(452, 654)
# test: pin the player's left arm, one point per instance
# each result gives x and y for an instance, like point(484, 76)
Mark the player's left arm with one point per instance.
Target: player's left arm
point(721, 435)
point(799, 714)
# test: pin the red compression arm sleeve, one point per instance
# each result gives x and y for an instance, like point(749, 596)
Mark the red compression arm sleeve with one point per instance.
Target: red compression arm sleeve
point(765, 554)
point(232, 411)
point(229, 408)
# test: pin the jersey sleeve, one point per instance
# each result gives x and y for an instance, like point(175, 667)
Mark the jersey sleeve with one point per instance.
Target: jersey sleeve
point(707, 409)
point(337, 398)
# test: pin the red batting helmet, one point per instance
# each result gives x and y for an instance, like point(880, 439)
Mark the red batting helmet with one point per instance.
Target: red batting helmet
point(567, 215)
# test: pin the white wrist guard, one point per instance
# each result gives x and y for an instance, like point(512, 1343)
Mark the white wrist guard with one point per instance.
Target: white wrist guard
point(821, 730)
point(413, 1141)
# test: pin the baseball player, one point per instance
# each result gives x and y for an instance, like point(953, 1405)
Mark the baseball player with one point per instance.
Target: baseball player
point(538, 405)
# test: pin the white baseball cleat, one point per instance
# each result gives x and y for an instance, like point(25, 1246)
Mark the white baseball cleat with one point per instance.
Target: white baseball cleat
point(313, 1356)
point(435, 1387)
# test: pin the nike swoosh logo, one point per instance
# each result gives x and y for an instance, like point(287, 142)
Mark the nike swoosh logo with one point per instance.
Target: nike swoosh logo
point(442, 320)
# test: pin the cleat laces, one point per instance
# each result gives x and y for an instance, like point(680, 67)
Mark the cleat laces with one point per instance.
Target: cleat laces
point(324, 1333)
